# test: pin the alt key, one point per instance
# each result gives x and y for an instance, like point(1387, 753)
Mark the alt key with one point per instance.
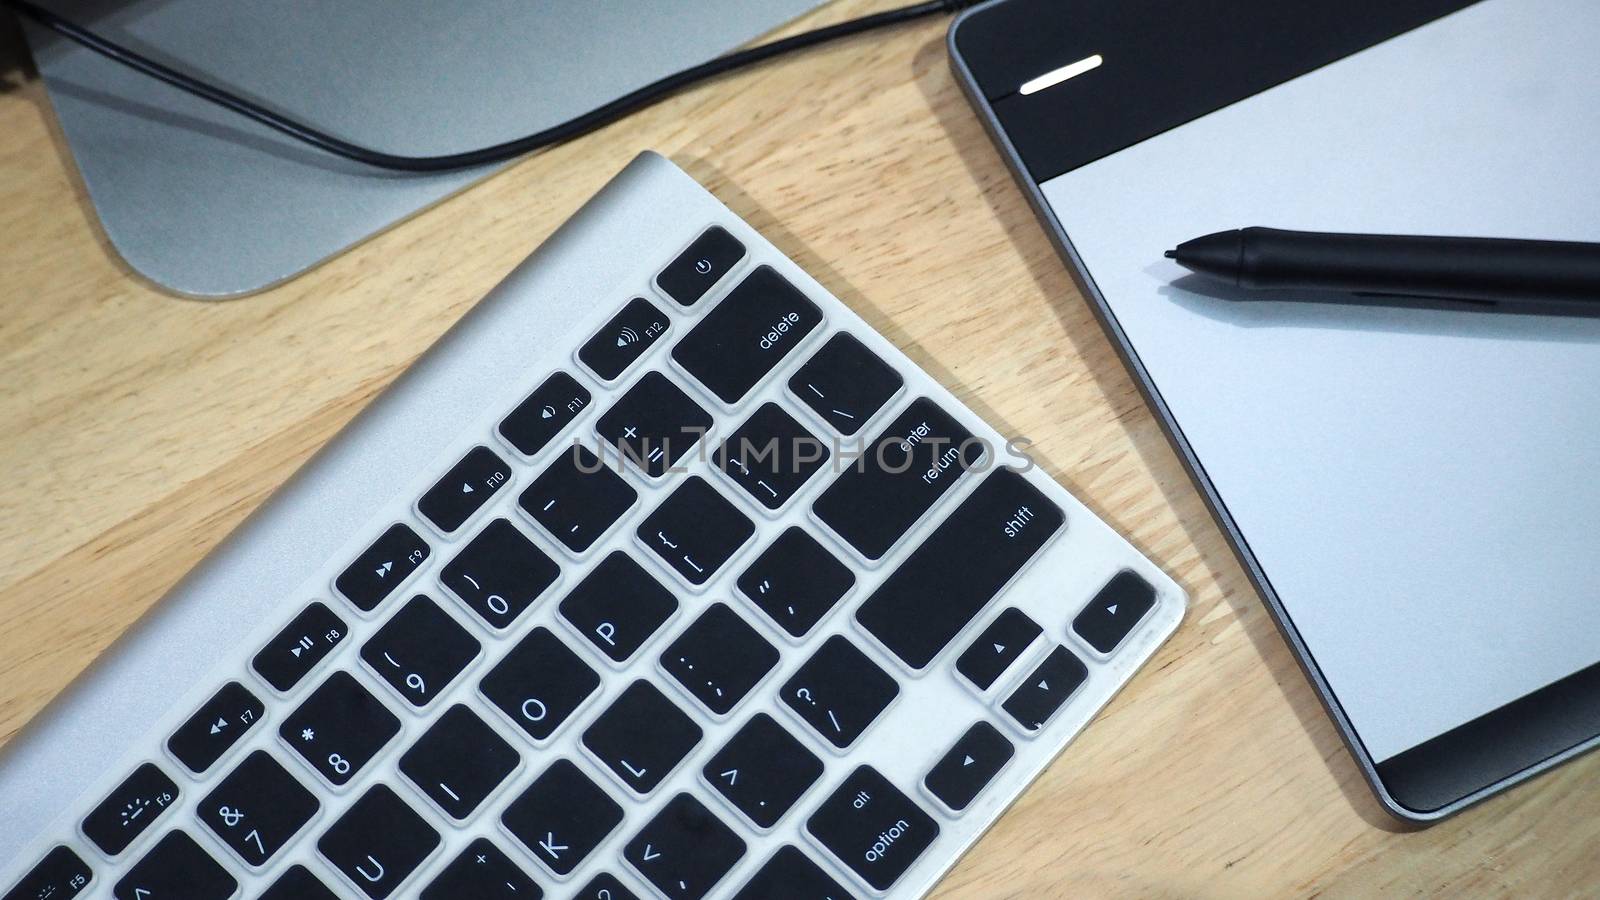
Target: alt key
point(873, 828)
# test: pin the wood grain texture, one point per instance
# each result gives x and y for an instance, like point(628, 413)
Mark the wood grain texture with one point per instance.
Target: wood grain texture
point(139, 429)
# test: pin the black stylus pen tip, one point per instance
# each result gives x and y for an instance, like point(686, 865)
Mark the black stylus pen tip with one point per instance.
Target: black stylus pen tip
point(1171, 254)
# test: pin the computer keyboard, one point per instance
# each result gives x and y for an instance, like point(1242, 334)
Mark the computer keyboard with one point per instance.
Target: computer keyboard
point(717, 596)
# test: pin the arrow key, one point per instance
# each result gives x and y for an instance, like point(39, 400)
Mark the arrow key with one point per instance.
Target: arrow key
point(1046, 690)
point(685, 850)
point(1000, 645)
point(1112, 614)
point(763, 770)
point(959, 775)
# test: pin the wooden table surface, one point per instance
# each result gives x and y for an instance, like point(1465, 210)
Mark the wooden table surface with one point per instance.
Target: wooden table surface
point(140, 428)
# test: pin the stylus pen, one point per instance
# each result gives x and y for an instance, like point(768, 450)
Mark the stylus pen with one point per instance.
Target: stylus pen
point(1453, 268)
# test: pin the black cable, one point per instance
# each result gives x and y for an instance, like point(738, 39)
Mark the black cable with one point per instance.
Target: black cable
point(589, 121)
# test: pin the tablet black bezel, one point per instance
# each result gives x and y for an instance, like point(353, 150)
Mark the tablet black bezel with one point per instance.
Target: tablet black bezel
point(1193, 59)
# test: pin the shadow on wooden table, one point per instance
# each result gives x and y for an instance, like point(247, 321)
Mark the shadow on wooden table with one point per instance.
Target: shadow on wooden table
point(1012, 210)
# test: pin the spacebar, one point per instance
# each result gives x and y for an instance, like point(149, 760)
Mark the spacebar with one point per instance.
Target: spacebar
point(962, 565)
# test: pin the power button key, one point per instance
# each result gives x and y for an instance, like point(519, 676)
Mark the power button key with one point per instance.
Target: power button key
point(697, 269)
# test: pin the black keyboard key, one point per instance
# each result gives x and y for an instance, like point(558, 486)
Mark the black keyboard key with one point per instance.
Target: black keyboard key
point(967, 560)
point(997, 647)
point(464, 489)
point(1111, 615)
point(958, 777)
point(605, 886)
point(685, 850)
point(917, 459)
point(544, 414)
point(258, 808)
point(382, 567)
point(839, 691)
point(215, 727)
point(624, 339)
point(763, 770)
point(771, 456)
point(742, 338)
point(695, 530)
point(482, 872)
point(618, 606)
point(378, 842)
point(176, 867)
point(420, 650)
point(459, 761)
point(61, 875)
point(130, 809)
point(562, 817)
point(304, 642)
point(642, 736)
point(845, 383)
point(654, 424)
point(539, 684)
point(696, 270)
point(791, 875)
point(297, 883)
point(1044, 691)
point(339, 728)
point(577, 498)
point(870, 826)
point(500, 574)
point(796, 582)
point(719, 658)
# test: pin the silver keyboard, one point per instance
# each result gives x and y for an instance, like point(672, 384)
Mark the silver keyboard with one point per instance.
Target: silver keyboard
point(662, 575)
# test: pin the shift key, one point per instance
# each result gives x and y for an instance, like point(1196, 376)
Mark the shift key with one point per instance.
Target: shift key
point(898, 478)
point(962, 565)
